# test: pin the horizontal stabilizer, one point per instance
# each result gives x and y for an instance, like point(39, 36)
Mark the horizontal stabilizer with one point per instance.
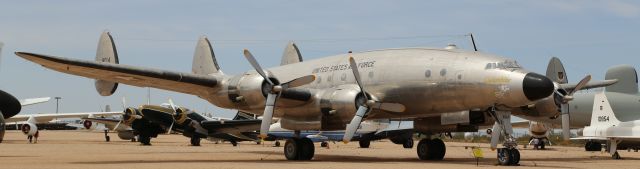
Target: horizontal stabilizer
point(590, 85)
point(132, 75)
point(31, 101)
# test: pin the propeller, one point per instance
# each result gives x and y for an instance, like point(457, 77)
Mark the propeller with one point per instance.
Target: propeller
point(173, 107)
point(564, 106)
point(363, 109)
point(273, 91)
point(124, 105)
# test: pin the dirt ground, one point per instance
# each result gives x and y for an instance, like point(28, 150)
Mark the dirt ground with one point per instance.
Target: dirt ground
point(84, 149)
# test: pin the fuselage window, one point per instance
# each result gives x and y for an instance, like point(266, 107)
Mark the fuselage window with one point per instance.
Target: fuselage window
point(443, 72)
point(427, 73)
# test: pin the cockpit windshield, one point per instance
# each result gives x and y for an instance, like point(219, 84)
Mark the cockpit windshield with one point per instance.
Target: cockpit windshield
point(507, 64)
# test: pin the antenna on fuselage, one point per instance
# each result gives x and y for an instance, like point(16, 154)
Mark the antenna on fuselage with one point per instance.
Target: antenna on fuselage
point(473, 41)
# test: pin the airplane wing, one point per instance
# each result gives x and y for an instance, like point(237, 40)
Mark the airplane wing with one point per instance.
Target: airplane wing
point(132, 75)
point(42, 118)
point(109, 123)
point(590, 85)
point(31, 101)
point(231, 126)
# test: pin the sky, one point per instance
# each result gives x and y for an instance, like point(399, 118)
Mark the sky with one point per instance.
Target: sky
point(588, 36)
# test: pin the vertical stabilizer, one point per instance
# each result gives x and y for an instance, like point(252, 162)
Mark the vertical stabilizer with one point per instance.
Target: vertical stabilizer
point(602, 113)
point(291, 54)
point(106, 53)
point(627, 79)
point(204, 61)
point(556, 72)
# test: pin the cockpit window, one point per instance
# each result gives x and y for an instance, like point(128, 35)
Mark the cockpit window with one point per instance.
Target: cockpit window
point(507, 64)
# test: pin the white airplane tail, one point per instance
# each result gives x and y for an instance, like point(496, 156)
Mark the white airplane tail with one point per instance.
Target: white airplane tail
point(106, 52)
point(602, 113)
point(204, 60)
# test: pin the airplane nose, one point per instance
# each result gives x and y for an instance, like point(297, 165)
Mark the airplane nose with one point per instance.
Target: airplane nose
point(537, 86)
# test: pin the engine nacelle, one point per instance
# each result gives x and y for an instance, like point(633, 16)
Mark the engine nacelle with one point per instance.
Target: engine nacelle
point(29, 129)
point(88, 124)
point(463, 121)
point(126, 135)
point(339, 105)
point(130, 115)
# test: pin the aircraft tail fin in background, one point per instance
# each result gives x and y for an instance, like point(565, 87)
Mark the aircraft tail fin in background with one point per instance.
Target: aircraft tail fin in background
point(291, 54)
point(602, 112)
point(627, 79)
point(204, 60)
point(106, 52)
point(556, 71)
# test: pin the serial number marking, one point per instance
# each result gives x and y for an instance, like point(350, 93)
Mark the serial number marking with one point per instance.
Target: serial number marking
point(339, 67)
point(603, 118)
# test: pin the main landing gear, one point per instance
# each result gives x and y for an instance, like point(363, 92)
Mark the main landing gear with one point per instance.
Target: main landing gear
point(509, 155)
point(431, 149)
point(299, 149)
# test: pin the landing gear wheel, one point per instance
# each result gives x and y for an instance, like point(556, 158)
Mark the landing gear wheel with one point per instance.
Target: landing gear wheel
point(438, 150)
point(195, 141)
point(364, 143)
point(489, 131)
point(107, 138)
point(291, 149)
point(616, 155)
point(277, 144)
point(592, 146)
point(145, 140)
point(234, 143)
point(408, 143)
point(423, 149)
point(508, 156)
point(324, 144)
point(299, 149)
point(308, 150)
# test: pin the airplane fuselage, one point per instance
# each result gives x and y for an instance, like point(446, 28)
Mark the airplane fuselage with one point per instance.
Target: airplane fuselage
point(426, 81)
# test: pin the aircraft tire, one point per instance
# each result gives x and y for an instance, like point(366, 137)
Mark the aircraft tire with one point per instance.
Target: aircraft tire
point(234, 143)
point(504, 156)
point(145, 140)
point(307, 149)
point(364, 143)
point(408, 143)
point(423, 149)
point(324, 144)
point(107, 138)
point(515, 156)
point(292, 149)
point(438, 149)
point(277, 144)
point(195, 141)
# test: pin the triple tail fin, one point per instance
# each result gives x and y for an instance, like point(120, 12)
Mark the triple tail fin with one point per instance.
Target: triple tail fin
point(556, 71)
point(204, 60)
point(602, 115)
point(106, 53)
point(291, 54)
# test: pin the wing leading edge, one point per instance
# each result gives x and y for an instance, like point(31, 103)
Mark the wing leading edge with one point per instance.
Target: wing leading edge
point(137, 76)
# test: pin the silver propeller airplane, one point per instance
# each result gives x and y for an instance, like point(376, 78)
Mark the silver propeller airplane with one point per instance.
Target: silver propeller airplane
point(338, 92)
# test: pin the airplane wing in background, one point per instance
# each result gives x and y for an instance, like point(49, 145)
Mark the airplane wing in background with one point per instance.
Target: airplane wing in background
point(231, 126)
point(32, 101)
point(132, 75)
point(110, 123)
point(43, 118)
point(590, 85)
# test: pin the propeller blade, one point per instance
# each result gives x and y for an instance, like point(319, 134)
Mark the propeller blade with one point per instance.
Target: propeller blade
point(173, 106)
point(356, 74)
point(353, 125)
point(299, 81)
point(256, 66)
point(170, 127)
point(565, 121)
point(392, 107)
point(580, 84)
point(124, 103)
point(117, 125)
point(267, 116)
